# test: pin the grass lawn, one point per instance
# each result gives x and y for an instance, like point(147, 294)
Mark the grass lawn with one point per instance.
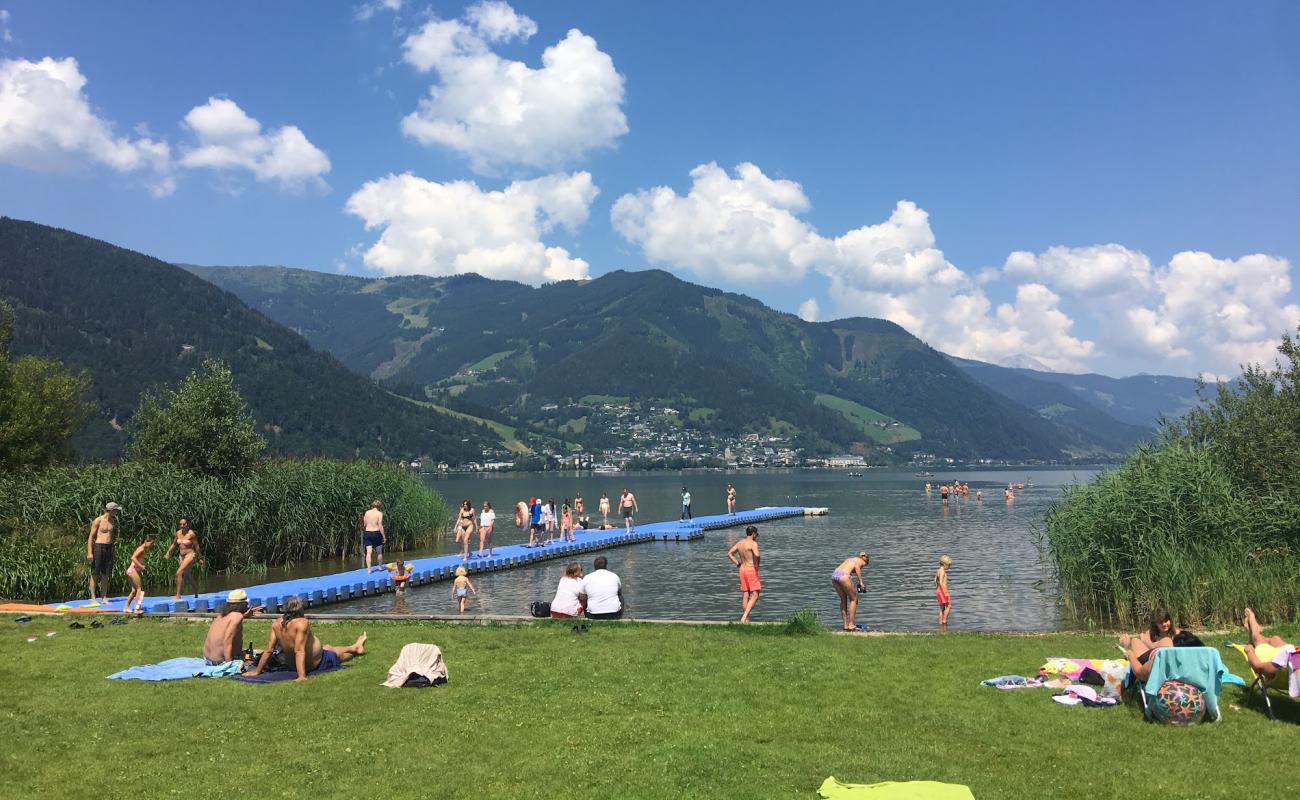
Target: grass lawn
point(622, 711)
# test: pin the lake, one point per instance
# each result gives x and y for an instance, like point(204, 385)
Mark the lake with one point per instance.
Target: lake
point(998, 580)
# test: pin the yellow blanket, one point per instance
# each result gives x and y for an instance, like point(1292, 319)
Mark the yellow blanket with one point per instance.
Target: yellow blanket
point(832, 789)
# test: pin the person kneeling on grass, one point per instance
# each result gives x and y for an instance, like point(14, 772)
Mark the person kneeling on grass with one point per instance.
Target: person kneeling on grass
point(602, 593)
point(1265, 669)
point(225, 640)
point(292, 634)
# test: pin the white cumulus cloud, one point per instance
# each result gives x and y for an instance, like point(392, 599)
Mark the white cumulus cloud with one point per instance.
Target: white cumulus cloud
point(47, 124)
point(365, 11)
point(228, 139)
point(500, 112)
point(6, 33)
point(432, 228)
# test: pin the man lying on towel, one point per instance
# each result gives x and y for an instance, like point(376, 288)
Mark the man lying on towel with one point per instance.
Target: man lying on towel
point(299, 646)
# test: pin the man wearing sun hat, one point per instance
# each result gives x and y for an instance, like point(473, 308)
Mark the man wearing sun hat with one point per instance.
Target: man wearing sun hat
point(225, 640)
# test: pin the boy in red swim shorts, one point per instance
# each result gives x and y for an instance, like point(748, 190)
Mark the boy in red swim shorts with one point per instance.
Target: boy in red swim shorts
point(744, 554)
point(941, 591)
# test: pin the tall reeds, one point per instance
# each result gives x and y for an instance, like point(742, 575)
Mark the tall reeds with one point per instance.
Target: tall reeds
point(1171, 527)
point(281, 512)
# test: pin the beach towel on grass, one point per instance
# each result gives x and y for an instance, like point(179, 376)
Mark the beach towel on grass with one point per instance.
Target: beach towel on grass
point(1201, 666)
point(174, 669)
point(832, 789)
point(283, 675)
point(1112, 671)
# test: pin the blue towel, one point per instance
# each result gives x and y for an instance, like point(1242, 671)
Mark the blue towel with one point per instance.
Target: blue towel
point(283, 675)
point(1201, 666)
point(175, 669)
point(1006, 680)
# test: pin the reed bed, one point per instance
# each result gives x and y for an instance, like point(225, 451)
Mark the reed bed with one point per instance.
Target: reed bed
point(279, 513)
point(1172, 527)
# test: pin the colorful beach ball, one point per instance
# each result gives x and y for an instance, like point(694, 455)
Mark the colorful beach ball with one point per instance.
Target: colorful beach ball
point(1178, 703)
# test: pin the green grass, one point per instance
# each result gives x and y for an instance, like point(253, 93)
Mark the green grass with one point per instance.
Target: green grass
point(577, 425)
point(703, 414)
point(414, 311)
point(490, 362)
point(866, 419)
point(622, 711)
point(601, 399)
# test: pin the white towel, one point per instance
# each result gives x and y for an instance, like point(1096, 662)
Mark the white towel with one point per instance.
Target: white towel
point(418, 659)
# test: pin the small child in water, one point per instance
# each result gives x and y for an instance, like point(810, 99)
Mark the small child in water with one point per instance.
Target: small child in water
point(461, 587)
point(941, 591)
point(401, 574)
point(134, 573)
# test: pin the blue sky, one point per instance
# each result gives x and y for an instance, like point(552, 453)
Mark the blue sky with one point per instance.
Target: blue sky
point(1113, 187)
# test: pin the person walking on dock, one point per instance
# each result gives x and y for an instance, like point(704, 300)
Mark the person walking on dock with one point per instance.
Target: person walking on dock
point(373, 537)
point(686, 504)
point(744, 554)
point(627, 505)
point(486, 521)
point(535, 526)
point(99, 551)
point(186, 544)
point(604, 510)
point(731, 499)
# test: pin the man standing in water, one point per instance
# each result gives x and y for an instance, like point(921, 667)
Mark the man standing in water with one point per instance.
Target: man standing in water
point(627, 505)
point(99, 550)
point(744, 554)
point(373, 538)
point(300, 647)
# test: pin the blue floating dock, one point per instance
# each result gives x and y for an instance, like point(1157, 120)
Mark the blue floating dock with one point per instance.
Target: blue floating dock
point(341, 586)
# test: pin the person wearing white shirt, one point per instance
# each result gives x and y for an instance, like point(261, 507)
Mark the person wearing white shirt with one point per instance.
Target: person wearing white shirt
point(486, 520)
point(566, 604)
point(602, 593)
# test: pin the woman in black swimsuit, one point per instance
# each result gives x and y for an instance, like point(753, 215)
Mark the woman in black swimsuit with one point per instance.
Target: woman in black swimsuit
point(465, 527)
point(1138, 649)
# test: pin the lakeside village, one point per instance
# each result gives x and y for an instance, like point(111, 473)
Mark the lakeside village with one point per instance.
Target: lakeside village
point(662, 437)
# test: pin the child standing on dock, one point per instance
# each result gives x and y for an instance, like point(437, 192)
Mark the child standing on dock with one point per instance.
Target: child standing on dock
point(941, 591)
point(134, 573)
point(460, 589)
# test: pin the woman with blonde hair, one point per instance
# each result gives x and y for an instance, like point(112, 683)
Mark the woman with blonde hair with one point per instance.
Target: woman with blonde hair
point(841, 579)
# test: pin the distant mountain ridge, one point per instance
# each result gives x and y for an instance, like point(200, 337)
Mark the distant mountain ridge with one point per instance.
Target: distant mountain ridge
point(732, 365)
point(135, 323)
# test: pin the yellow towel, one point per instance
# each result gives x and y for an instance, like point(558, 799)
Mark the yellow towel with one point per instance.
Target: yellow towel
point(832, 789)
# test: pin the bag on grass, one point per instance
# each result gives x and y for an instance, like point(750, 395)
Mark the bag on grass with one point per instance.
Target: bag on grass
point(540, 609)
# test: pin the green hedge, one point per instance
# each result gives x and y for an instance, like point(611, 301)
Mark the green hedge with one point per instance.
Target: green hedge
point(281, 512)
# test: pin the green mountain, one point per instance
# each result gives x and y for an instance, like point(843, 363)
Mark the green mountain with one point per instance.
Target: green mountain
point(1117, 410)
point(134, 323)
point(557, 358)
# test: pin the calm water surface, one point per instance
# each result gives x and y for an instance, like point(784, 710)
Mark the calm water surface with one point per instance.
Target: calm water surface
point(997, 581)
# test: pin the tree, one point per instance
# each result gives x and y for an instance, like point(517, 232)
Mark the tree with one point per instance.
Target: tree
point(41, 404)
point(204, 426)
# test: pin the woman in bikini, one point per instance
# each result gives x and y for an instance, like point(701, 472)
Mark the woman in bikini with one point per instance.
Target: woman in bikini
point(135, 573)
point(1138, 649)
point(566, 522)
point(186, 545)
point(841, 579)
point(604, 510)
point(465, 527)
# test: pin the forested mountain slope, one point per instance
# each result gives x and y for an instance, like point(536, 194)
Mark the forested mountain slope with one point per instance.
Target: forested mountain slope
point(134, 322)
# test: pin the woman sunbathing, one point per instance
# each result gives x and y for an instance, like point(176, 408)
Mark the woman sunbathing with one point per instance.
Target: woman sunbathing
point(1138, 649)
point(1265, 668)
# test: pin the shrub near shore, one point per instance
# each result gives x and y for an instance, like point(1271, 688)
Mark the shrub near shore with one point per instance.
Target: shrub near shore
point(1205, 521)
point(277, 513)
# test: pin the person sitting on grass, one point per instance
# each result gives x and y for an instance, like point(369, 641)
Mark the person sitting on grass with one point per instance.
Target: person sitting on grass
point(1265, 669)
point(225, 640)
point(1139, 649)
point(601, 593)
point(299, 646)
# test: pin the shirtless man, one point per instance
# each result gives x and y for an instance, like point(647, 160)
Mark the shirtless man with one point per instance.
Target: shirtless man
point(731, 499)
point(298, 645)
point(186, 543)
point(99, 550)
point(373, 537)
point(225, 640)
point(744, 554)
point(627, 505)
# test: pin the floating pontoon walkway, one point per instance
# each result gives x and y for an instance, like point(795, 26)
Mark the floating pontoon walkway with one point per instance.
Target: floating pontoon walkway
point(343, 586)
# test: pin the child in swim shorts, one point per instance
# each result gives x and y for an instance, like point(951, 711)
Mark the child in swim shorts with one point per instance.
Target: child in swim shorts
point(460, 589)
point(941, 590)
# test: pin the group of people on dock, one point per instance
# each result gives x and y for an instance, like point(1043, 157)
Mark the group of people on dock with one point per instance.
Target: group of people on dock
point(101, 552)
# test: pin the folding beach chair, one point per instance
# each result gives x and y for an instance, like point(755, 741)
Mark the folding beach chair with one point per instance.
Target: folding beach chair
point(1199, 666)
point(1279, 680)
